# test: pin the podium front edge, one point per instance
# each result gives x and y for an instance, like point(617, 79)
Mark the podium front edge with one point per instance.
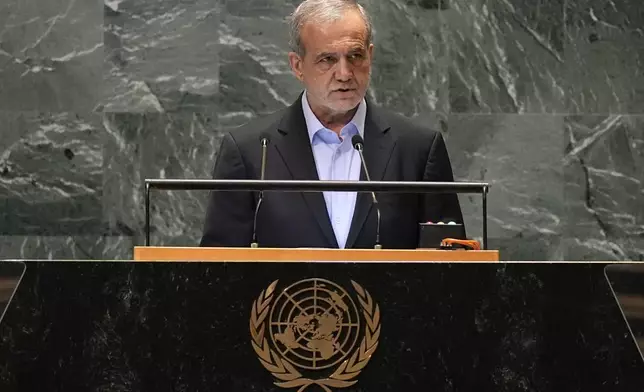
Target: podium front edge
point(205, 254)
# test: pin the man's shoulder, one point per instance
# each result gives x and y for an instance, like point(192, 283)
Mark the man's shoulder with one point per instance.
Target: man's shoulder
point(409, 128)
point(249, 133)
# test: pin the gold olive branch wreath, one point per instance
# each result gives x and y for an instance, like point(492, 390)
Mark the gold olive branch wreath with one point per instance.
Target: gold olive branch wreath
point(283, 370)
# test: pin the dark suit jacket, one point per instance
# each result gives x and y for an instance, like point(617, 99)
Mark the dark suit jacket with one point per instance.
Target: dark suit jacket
point(396, 149)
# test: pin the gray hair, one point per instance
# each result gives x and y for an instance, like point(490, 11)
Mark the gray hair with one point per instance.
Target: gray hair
point(322, 11)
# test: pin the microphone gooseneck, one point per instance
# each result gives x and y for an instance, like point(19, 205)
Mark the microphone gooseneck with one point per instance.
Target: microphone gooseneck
point(265, 141)
point(358, 144)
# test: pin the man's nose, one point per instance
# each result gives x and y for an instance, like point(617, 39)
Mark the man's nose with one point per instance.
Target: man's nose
point(344, 72)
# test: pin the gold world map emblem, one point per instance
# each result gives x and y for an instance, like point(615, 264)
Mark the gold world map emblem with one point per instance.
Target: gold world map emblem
point(313, 332)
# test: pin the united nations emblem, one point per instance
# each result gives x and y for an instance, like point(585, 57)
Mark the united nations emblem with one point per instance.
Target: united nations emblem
point(311, 328)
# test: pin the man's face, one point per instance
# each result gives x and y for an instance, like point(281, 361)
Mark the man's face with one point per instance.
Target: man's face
point(336, 66)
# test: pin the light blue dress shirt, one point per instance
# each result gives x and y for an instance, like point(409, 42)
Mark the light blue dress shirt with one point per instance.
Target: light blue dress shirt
point(336, 159)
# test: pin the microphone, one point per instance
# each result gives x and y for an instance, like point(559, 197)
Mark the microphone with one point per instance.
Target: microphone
point(358, 144)
point(264, 139)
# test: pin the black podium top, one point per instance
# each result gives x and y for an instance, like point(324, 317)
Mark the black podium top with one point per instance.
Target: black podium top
point(138, 326)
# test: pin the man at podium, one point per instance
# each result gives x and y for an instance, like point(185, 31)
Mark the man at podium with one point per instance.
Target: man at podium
point(315, 139)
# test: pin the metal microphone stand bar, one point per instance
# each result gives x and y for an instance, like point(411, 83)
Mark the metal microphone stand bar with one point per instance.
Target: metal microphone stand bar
point(316, 186)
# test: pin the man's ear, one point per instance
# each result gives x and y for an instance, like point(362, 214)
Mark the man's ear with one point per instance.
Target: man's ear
point(296, 65)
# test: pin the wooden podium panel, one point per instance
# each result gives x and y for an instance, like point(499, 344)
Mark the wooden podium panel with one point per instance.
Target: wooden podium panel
point(153, 253)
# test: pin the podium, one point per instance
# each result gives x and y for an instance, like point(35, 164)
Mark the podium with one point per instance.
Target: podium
point(309, 320)
point(160, 253)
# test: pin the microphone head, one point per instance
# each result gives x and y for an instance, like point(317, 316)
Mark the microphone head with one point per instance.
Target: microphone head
point(265, 138)
point(357, 139)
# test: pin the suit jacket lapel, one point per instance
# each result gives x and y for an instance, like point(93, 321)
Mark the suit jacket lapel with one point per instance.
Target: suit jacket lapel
point(379, 145)
point(295, 149)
